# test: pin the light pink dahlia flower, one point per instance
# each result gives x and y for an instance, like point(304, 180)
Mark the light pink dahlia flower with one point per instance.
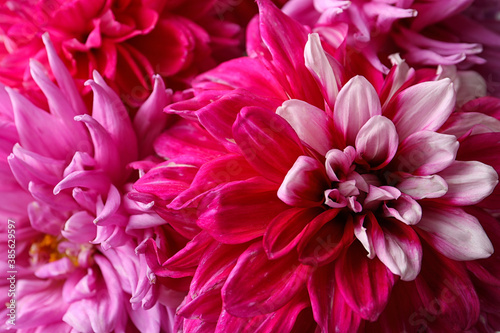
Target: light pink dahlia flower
point(77, 269)
point(126, 41)
point(320, 201)
point(437, 32)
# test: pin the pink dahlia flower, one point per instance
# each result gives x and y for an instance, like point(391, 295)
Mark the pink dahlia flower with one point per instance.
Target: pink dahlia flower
point(140, 38)
point(76, 265)
point(320, 200)
point(426, 33)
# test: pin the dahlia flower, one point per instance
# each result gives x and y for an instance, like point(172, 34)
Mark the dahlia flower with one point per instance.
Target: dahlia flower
point(320, 200)
point(424, 32)
point(64, 189)
point(141, 38)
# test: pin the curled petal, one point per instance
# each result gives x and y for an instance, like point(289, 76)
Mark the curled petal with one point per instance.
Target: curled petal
point(356, 103)
point(421, 187)
point(311, 124)
point(304, 184)
point(404, 209)
point(377, 142)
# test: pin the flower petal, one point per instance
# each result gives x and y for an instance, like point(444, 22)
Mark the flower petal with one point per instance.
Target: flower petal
point(330, 310)
point(424, 106)
point(365, 283)
point(398, 247)
point(454, 233)
point(426, 153)
point(317, 63)
point(311, 124)
point(377, 142)
point(240, 211)
point(304, 183)
point(404, 209)
point(468, 182)
point(356, 103)
point(267, 141)
point(258, 285)
point(421, 187)
point(283, 232)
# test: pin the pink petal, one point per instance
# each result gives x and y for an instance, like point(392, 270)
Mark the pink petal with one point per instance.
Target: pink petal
point(377, 142)
point(205, 292)
point(424, 106)
point(45, 219)
point(91, 179)
point(58, 104)
point(461, 123)
point(283, 232)
point(311, 124)
point(338, 163)
point(330, 310)
point(187, 138)
point(398, 247)
point(166, 180)
point(404, 209)
point(107, 215)
point(150, 119)
point(240, 211)
point(110, 112)
point(245, 74)
point(282, 320)
point(454, 233)
point(105, 149)
point(426, 153)
point(287, 51)
point(56, 269)
point(378, 194)
point(365, 283)
point(36, 130)
point(225, 169)
point(317, 63)
point(421, 187)
point(218, 117)
point(79, 228)
point(28, 166)
point(258, 285)
point(362, 231)
point(468, 182)
point(399, 75)
point(304, 183)
point(63, 77)
point(444, 286)
point(321, 242)
point(436, 11)
point(356, 103)
point(44, 194)
point(267, 142)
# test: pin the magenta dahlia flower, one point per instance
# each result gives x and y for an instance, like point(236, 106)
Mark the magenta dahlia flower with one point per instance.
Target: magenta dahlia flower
point(320, 200)
point(426, 33)
point(140, 38)
point(64, 188)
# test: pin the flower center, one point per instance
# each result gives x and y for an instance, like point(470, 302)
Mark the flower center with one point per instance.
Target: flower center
point(51, 248)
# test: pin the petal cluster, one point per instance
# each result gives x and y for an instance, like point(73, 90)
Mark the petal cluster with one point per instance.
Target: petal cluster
point(65, 188)
point(326, 197)
point(119, 39)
